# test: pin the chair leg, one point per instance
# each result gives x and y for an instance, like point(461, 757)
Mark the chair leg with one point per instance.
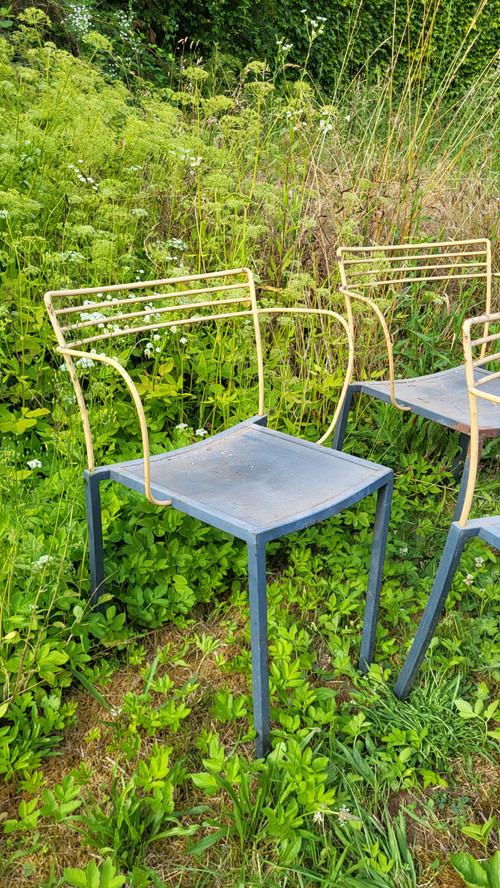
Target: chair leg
point(446, 571)
point(258, 636)
point(459, 460)
point(380, 529)
point(340, 428)
point(96, 556)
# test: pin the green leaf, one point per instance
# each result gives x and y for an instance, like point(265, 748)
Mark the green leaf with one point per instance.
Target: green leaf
point(76, 877)
point(494, 870)
point(109, 876)
point(90, 688)
point(471, 871)
point(208, 841)
point(465, 709)
point(208, 782)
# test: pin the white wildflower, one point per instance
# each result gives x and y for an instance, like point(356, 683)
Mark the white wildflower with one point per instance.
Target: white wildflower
point(345, 816)
point(469, 579)
point(44, 559)
point(84, 363)
point(34, 464)
point(183, 340)
point(479, 562)
point(201, 433)
point(182, 425)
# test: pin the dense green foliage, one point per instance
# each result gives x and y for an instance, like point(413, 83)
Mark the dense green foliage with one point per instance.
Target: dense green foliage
point(358, 35)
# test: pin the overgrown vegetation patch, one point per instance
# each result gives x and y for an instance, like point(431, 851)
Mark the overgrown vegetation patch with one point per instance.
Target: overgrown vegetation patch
point(126, 738)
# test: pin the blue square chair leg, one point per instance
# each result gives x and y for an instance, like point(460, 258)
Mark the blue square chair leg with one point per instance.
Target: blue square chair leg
point(450, 558)
point(258, 638)
point(380, 530)
point(94, 524)
point(457, 466)
point(341, 424)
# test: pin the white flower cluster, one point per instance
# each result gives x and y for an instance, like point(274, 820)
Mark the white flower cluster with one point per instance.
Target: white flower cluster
point(87, 180)
point(325, 127)
point(68, 256)
point(176, 243)
point(80, 18)
point(34, 464)
point(192, 160)
point(285, 47)
point(42, 561)
point(93, 316)
point(200, 433)
point(84, 363)
point(124, 22)
point(4, 214)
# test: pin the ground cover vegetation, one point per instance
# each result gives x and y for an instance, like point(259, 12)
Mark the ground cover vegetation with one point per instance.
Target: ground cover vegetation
point(126, 738)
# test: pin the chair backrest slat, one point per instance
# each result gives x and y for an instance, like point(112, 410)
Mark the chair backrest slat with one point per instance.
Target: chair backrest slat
point(397, 257)
point(388, 282)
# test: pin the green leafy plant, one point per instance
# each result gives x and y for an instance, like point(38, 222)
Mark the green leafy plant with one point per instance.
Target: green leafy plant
point(477, 874)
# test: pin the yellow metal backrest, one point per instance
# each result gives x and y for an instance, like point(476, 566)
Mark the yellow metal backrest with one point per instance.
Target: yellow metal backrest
point(363, 268)
point(477, 388)
point(371, 273)
point(88, 320)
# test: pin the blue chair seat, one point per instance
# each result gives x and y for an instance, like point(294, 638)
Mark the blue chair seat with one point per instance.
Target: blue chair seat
point(441, 397)
point(254, 482)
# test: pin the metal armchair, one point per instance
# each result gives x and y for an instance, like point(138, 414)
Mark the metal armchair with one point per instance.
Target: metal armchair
point(375, 278)
point(255, 483)
point(482, 388)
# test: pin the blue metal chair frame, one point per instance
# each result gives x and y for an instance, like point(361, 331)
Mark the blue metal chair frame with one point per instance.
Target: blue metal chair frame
point(440, 397)
point(483, 387)
point(253, 482)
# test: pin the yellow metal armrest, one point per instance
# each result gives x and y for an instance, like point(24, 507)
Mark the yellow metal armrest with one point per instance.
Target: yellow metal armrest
point(104, 359)
point(352, 294)
point(350, 365)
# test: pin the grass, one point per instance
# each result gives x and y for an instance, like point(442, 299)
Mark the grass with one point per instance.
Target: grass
point(125, 739)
